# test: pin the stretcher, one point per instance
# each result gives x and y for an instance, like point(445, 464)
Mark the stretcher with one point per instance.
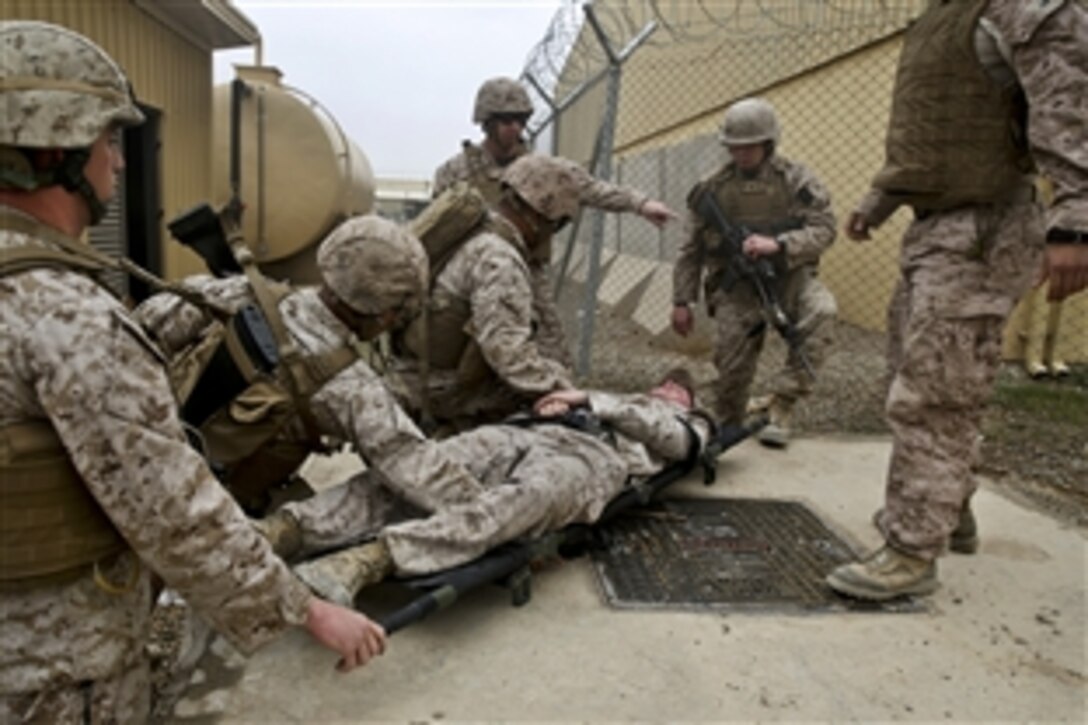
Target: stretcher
point(511, 565)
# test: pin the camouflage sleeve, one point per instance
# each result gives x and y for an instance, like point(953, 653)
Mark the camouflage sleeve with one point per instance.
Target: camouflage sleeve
point(501, 301)
point(605, 195)
point(112, 407)
point(173, 323)
point(812, 206)
point(687, 271)
point(1049, 44)
point(358, 406)
point(652, 422)
point(449, 173)
point(876, 206)
point(551, 340)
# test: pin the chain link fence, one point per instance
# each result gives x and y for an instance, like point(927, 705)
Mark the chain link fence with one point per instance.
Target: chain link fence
point(636, 91)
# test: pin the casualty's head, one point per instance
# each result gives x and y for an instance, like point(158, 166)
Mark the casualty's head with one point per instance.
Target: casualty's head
point(374, 274)
point(65, 103)
point(676, 386)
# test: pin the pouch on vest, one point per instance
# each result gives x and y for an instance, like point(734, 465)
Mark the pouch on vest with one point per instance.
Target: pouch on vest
point(224, 363)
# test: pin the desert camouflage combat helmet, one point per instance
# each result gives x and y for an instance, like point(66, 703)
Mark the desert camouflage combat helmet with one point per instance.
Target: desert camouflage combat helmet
point(748, 121)
point(501, 95)
point(59, 89)
point(373, 265)
point(549, 185)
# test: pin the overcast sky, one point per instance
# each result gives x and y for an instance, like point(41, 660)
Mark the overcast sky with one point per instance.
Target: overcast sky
point(400, 77)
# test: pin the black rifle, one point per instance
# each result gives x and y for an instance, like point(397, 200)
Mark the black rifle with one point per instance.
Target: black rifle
point(758, 271)
point(509, 564)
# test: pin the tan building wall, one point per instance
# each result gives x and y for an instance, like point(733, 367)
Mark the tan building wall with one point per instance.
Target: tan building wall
point(168, 72)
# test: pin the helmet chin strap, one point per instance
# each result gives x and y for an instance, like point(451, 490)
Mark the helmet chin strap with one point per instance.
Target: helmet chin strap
point(69, 174)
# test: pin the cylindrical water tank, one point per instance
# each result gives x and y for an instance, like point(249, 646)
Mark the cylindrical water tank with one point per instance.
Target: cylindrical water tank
point(300, 175)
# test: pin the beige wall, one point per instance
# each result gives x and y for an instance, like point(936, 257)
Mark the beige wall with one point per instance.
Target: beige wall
point(167, 72)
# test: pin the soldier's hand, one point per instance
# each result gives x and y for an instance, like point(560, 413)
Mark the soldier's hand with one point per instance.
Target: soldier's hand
point(857, 227)
point(656, 212)
point(683, 322)
point(559, 402)
point(1066, 266)
point(760, 245)
point(353, 635)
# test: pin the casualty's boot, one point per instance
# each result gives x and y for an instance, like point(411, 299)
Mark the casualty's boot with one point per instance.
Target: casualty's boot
point(964, 539)
point(282, 531)
point(776, 434)
point(885, 574)
point(339, 577)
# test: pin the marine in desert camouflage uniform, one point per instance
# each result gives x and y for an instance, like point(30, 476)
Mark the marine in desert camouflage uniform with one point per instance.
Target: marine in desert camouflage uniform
point(98, 486)
point(972, 250)
point(788, 212)
point(537, 478)
point(502, 109)
point(369, 266)
point(485, 360)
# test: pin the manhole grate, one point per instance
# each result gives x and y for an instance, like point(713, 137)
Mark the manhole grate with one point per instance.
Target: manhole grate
point(725, 555)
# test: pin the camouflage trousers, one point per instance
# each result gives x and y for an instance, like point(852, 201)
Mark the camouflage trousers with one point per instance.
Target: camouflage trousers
point(741, 331)
point(536, 480)
point(962, 272)
point(122, 698)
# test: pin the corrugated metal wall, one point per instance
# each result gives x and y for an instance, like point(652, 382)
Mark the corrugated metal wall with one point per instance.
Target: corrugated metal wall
point(167, 72)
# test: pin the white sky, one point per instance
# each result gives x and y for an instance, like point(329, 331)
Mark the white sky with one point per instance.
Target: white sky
point(399, 77)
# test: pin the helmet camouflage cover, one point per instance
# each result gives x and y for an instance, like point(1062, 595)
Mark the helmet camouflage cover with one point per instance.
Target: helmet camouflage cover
point(549, 185)
point(59, 89)
point(374, 265)
point(501, 95)
point(749, 121)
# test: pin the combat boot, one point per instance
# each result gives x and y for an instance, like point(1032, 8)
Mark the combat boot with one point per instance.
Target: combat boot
point(282, 531)
point(885, 574)
point(964, 539)
point(776, 434)
point(339, 577)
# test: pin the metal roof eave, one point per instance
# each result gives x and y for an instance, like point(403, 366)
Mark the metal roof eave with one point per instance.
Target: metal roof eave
point(209, 24)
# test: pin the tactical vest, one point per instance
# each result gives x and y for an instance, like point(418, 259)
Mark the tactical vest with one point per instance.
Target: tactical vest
point(51, 528)
point(955, 137)
point(761, 204)
point(439, 338)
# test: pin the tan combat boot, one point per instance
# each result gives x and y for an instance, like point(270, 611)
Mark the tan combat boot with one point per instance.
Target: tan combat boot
point(338, 577)
point(885, 574)
point(282, 531)
point(776, 434)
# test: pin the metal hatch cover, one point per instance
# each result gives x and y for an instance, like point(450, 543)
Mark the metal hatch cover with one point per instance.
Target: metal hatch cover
point(726, 555)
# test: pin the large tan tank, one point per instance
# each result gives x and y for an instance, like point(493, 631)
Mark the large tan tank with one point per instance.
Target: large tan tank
point(300, 174)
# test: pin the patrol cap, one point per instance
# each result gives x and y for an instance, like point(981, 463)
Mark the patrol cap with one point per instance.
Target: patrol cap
point(749, 121)
point(59, 89)
point(549, 185)
point(501, 95)
point(374, 265)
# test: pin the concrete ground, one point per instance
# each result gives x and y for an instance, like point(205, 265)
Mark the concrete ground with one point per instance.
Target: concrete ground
point(1003, 639)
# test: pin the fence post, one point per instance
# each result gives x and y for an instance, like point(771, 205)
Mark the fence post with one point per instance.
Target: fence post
point(602, 171)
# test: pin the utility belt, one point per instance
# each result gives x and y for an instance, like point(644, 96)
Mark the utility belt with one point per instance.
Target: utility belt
point(51, 529)
point(1022, 193)
point(582, 420)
